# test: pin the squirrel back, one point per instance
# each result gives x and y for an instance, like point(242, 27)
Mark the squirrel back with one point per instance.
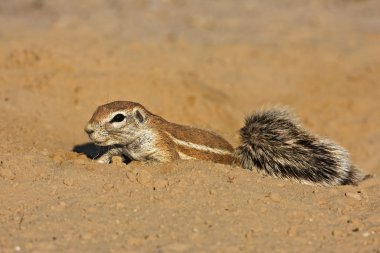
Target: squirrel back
point(274, 142)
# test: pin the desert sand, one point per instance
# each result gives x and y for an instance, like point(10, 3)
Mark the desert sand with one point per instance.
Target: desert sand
point(201, 63)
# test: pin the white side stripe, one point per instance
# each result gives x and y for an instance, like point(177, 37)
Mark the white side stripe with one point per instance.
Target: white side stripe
point(184, 156)
point(198, 147)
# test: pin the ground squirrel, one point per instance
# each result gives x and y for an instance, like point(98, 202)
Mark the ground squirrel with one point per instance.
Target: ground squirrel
point(272, 141)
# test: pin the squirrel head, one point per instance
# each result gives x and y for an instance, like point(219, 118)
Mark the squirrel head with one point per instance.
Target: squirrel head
point(117, 123)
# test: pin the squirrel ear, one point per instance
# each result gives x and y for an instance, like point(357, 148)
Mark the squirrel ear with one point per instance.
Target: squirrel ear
point(140, 115)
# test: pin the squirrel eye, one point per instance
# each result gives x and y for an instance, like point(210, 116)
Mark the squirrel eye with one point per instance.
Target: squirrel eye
point(118, 118)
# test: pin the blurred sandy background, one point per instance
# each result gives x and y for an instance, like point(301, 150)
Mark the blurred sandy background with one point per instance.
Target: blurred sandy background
point(201, 63)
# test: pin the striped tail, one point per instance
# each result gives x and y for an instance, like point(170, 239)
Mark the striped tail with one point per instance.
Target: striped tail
point(274, 142)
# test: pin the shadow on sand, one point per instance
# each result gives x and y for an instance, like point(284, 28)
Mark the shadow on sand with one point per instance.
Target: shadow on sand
point(93, 151)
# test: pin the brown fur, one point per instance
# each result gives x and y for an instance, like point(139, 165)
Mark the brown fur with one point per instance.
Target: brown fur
point(192, 134)
point(167, 148)
point(189, 134)
point(104, 110)
point(209, 156)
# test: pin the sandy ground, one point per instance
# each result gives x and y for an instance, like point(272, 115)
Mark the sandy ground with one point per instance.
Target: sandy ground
point(202, 63)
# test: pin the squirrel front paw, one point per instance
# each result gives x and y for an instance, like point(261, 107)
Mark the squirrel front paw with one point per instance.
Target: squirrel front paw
point(104, 160)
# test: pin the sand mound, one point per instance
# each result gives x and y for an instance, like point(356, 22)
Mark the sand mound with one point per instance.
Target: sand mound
point(61, 59)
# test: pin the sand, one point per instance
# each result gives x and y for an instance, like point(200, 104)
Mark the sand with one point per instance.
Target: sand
point(202, 63)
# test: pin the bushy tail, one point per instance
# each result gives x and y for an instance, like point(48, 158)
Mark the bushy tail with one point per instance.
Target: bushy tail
point(274, 142)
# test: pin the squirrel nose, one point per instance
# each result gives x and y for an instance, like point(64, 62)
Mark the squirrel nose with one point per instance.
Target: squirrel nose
point(88, 130)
